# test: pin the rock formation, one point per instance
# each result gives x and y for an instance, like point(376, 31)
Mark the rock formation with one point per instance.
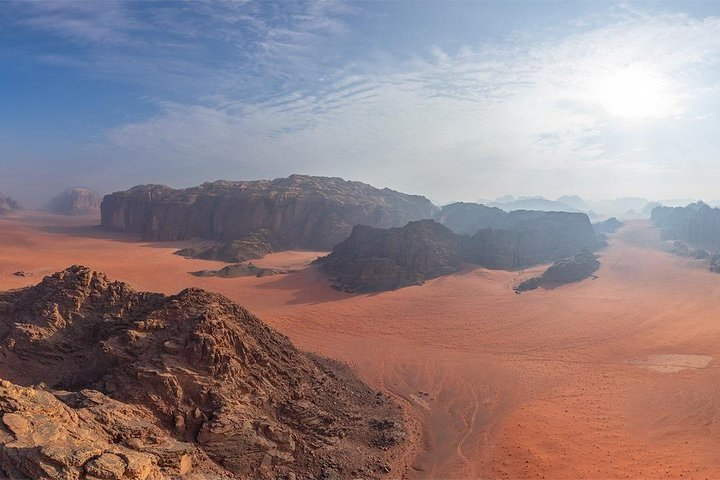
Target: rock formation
point(7, 204)
point(75, 201)
point(567, 270)
point(697, 224)
point(241, 270)
point(610, 225)
point(375, 259)
point(299, 211)
point(467, 218)
point(141, 385)
point(253, 246)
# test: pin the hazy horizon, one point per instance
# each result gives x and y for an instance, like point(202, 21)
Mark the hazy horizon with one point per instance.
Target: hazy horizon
point(454, 101)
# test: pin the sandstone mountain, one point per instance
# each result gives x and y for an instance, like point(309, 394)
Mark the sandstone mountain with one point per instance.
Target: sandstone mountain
point(75, 201)
point(141, 385)
point(698, 224)
point(567, 270)
point(611, 225)
point(467, 218)
point(7, 204)
point(298, 212)
point(376, 259)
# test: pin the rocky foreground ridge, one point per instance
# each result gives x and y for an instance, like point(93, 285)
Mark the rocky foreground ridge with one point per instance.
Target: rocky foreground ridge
point(295, 212)
point(101, 381)
point(372, 259)
point(75, 201)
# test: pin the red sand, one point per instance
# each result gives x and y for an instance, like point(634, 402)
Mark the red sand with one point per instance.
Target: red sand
point(498, 384)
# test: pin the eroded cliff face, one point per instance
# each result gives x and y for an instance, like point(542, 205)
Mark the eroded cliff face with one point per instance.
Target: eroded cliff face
point(299, 211)
point(75, 201)
point(698, 224)
point(141, 385)
point(376, 259)
point(468, 218)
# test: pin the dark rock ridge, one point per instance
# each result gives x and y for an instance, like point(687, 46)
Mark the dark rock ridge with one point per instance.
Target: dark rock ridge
point(611, 225)
point(7, 204)
point(697, 224)
point(75, 201)
point(376, 259)
point(567, 270)
point(251, 247)
point(145, 386)
point(299, 211)
point(467, 218)
point(240, 270)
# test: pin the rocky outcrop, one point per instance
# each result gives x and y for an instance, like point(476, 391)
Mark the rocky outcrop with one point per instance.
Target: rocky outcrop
point(241, 270)
point(525, 238)
point(299, 211)
point(75, 201)
point(251, 247)
point(567, 270)
point(141, 385)
point(467, 218)
point(697, 224)
point(7, 204)
point(611, 225)
point(374, 259)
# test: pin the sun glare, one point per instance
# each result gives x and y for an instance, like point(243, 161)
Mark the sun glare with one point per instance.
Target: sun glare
point(634, 93)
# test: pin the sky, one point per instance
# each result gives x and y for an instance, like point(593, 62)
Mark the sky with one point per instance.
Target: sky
point(452, 100)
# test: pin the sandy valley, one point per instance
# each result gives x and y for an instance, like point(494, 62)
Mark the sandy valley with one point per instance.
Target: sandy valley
point(611, 377)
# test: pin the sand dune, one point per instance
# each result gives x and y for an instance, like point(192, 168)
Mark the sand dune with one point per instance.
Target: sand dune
point(543, 384)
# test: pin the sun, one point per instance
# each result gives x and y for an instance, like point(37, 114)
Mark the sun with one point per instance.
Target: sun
point(634, 93)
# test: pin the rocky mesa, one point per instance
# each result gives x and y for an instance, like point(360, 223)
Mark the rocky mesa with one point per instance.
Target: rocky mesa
point(372, 260)
point(297, 212)
point(75, 201)
point(101, 381)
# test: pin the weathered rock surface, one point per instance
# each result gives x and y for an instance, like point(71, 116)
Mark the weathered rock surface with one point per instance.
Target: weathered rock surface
point(299, 211)
point(75, 201)
point(141, 385)
point(567, 270)
point(7, 204)
point(241, 270)
point(374, 259)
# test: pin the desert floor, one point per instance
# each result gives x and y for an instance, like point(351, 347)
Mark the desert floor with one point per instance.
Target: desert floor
point(608, 378)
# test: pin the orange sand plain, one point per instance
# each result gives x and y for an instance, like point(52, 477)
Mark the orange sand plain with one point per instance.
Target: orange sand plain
point(562, 383)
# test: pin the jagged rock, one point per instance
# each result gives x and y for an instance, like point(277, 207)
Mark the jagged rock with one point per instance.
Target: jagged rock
point(7, 204)
point(22, 273)
point(165, 386)
point(75, 201)
point(374, 259)
point(299, 211)
point(567, 270)
point(240, 270)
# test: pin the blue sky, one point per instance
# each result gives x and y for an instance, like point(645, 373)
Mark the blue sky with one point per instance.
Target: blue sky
point(454, 100)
